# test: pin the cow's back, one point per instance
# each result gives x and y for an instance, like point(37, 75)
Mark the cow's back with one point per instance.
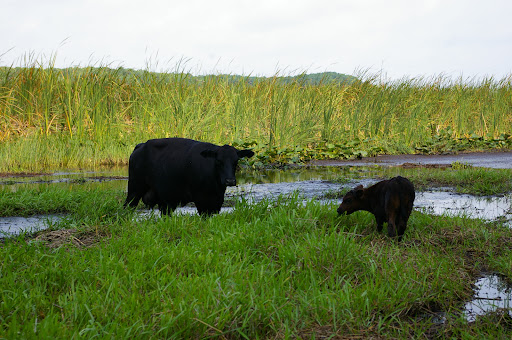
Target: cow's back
point(169, 149)
point(167, 159)
point(177, 171)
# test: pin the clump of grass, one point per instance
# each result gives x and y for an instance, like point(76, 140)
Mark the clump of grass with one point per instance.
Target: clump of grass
point(45, 199)
point(276, 268)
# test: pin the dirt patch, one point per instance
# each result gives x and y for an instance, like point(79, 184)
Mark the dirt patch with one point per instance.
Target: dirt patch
point(107, 178)
point(428, 166)
point(324, 332)
point(79, 239)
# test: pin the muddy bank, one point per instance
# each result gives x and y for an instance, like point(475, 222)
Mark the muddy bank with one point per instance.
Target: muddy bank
point(497, 160)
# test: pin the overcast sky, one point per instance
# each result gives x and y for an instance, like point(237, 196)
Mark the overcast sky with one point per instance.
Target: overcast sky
point(401, 38)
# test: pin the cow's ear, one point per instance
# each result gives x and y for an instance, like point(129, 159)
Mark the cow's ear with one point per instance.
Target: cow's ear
point(209, 153)
point(245, 153)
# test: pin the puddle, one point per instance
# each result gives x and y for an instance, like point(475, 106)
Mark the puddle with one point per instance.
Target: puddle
point(487, 208)
point(491, 293)
point(15, 225)
point(78, 177)
point(307, 189)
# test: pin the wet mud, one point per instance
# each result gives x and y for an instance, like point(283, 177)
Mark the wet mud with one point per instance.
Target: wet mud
point(497, 160)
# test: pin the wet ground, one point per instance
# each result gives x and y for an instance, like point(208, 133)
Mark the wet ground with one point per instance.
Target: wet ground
point(497, 160)
point(315, 182)
point(312, 183)
point(13, 225)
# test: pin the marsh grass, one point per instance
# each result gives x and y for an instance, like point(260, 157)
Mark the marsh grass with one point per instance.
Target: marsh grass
point(462, 179)
point(85, 117)
point(474, 181)
point(279, 268)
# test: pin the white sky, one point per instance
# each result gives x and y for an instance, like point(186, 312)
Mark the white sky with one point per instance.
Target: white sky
point(401, 38)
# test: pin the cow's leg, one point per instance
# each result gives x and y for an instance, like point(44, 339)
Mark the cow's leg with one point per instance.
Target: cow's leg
point(167, 208)
point(136, 190)
point(209, 208)
point(401, 231)
point(150, 199)
point(132, 198)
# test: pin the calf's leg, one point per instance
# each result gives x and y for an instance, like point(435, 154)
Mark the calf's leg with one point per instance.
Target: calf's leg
point(380, 222)
point(392, 230)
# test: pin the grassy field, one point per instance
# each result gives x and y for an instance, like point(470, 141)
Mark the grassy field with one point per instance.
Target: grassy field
point(461, 178)
point(275, 269)
point(86, 117)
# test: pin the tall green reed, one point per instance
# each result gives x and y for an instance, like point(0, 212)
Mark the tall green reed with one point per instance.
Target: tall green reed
point(115, 108)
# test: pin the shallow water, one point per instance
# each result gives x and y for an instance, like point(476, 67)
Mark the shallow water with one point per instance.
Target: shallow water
point(488, 208)
point(310, 183)
point(16, 224)
point(491, 293)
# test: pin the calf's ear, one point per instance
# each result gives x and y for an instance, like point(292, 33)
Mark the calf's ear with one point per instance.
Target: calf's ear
point(358, 191)
point(208, 153)
point(245, 153)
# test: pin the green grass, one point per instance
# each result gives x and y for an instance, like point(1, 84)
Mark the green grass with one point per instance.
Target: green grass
point(85, 117)
point(475, 181)
point(274, 269)
point(466, 180)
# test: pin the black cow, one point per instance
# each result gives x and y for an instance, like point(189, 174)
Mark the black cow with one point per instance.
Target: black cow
point(175, 171)
point(389, 201)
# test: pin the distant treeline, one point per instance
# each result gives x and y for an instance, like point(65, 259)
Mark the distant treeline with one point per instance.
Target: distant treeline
point(131, 74)
point(309, 79)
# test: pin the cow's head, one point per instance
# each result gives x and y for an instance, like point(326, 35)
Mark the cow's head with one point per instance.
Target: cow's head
point(226, 159)
point(352, 201)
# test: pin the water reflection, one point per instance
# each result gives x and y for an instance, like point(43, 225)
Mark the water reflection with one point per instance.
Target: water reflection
point(14, 225)
point(487, 208)
point(491, 293)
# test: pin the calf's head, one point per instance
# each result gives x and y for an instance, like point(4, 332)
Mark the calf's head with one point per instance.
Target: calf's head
point(352, 201)
point(226, 159)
